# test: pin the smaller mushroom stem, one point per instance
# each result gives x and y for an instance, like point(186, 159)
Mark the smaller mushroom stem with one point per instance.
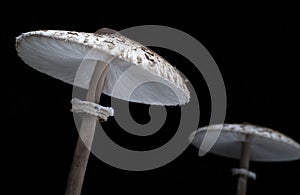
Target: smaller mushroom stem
point(86, 133)
point(244, 163)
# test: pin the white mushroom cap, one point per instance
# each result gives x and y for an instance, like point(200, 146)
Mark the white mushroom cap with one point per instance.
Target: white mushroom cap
point(265, 144)
point(60, 53)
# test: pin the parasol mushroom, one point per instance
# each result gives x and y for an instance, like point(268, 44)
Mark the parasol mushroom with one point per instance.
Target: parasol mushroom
point(60, 53)
point(248, 143)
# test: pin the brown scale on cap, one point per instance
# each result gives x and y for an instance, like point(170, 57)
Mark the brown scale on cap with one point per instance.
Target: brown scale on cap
point(106, 31)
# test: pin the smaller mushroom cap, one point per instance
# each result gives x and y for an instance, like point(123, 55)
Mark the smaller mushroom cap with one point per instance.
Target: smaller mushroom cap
point(265, 144)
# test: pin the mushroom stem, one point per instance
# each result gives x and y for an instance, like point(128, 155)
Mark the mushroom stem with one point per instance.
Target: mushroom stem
point(244, 164)
point(100, 84)
point(86, 133)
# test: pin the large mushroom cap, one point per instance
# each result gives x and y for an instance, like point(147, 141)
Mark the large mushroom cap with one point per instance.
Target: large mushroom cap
point(265, 144)
point(60, 53)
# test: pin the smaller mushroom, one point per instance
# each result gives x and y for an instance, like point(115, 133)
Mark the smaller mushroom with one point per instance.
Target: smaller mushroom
point(248, 142)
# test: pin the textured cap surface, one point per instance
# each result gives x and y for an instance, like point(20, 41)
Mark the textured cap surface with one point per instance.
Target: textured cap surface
point(265, 144)
point(60, 53)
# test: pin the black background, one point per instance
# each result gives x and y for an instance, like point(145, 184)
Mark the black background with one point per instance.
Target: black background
point(256, 47)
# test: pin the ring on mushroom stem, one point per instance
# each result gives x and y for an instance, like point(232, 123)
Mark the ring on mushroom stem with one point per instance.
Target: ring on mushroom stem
point(85, 107)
